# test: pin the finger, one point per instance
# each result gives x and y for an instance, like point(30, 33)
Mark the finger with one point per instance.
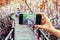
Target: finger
point(43, 15)
point(38, 26)
point(43, 21)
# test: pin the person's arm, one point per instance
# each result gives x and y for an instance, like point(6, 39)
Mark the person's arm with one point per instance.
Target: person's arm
point(54, 31)
point(47, 25)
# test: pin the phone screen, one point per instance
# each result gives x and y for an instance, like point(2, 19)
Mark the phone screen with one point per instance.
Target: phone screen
point(29, 19)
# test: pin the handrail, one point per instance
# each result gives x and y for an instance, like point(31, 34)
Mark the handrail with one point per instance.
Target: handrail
point(9, 34)
point(44, 34)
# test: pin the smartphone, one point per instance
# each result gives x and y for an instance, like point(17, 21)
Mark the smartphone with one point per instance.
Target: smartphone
point(30, 19)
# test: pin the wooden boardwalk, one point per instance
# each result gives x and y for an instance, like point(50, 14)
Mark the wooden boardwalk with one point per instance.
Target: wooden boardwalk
point(23, 32)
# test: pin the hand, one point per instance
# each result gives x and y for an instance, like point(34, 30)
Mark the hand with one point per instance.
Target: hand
point(46, 24)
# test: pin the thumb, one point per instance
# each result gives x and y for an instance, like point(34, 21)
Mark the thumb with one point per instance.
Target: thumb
point(39, 26)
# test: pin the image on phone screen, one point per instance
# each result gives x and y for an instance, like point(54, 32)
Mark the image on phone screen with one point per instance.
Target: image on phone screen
point(29, 19)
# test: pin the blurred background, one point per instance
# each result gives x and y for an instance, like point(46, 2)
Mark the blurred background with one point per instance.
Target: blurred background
point(9, 13)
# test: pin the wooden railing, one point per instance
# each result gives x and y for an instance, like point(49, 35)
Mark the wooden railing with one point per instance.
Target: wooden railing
point(9, 36)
